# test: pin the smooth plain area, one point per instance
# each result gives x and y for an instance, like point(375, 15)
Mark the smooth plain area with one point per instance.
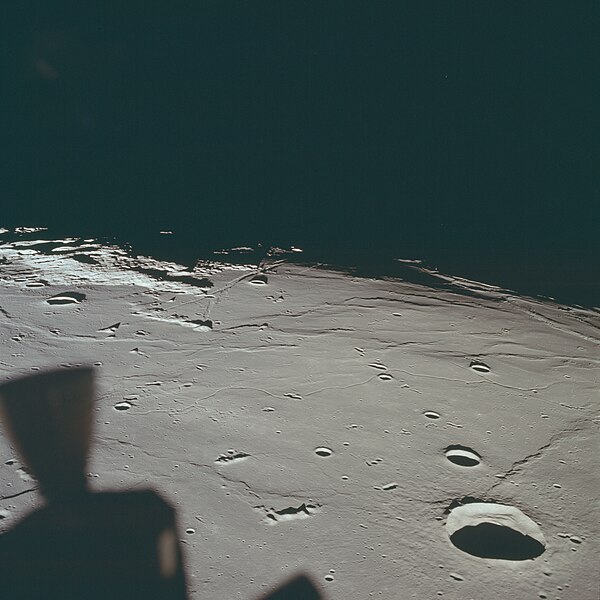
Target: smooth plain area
point(299, 417)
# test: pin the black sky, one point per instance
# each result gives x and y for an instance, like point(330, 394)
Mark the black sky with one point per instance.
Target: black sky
point(441, 129)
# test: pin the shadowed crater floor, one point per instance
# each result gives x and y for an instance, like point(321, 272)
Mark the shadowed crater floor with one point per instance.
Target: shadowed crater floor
point(498, 531)
point(488, 540)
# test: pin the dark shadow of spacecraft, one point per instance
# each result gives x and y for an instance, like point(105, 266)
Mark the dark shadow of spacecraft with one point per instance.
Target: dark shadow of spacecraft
point(83, 544)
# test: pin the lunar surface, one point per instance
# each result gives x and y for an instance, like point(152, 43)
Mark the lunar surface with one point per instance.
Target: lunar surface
point(388, 438)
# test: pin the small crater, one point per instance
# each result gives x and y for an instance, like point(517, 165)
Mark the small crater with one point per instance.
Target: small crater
point(190, 531)
point(121, 406)
point(268, 409)
point(576, 539)
point(202, 325)
point(289, 513)
point(293, 396)
point(389, 486)
point(111, 328)
point(322, 451)
point(479, 366)
point(373, 462)
point(35, 284)
point(378, 366)
point(231, 456)
point(259, 280)
point(329, 578)
point(497, 531)
point(431, 414)
point(462, 456)
point(385, 377)
point(66, 298)
point(136, 350)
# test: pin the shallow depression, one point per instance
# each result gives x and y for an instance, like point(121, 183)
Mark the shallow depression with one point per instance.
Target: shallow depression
point(259, 280)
